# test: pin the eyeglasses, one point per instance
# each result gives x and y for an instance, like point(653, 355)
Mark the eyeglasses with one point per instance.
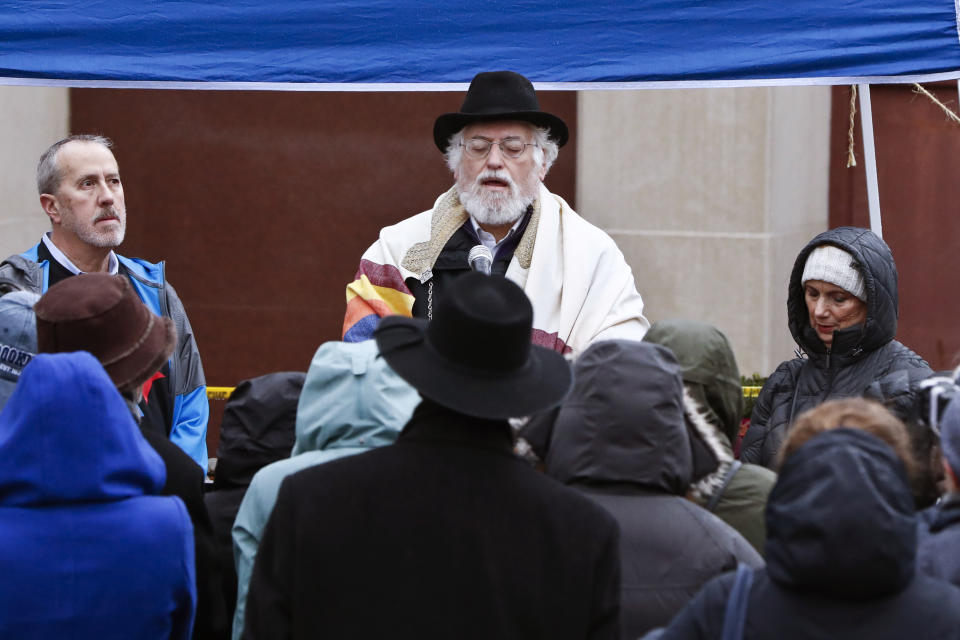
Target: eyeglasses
point(512, 148)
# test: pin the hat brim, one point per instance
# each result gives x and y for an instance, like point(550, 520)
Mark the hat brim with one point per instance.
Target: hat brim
point(449, 123)
point(541, 384)
point(156, 348)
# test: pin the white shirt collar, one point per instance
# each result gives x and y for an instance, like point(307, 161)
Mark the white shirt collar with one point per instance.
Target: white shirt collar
point(489, 240)
point(113, 265)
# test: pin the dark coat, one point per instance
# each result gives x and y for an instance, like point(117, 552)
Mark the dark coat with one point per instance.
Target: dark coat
point(841, 546)
point(737, 494)
point(938, 552)
point(257, 429)
point(452, 263)
point(185, 480)
point(860, 354)
point(903, 393)
point(620, 438)
point(222, 507)
point(444, 534)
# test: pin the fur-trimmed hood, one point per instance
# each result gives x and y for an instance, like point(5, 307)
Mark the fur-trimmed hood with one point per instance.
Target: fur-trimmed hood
point(719, 446)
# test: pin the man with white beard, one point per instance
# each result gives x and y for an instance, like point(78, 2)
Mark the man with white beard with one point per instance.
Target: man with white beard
point(500, 146)
point(81, 193)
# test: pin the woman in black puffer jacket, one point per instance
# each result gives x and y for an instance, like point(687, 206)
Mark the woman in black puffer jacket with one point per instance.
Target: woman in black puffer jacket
point(842, 311)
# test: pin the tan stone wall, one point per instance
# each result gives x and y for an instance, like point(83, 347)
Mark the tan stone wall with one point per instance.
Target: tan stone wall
point(710, 194)
point(31, 119)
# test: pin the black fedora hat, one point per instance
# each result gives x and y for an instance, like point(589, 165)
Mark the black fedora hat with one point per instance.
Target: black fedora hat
point(475, 356)
point(498, 95)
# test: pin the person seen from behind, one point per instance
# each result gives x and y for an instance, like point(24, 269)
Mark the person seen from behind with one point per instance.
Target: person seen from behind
point(939, 553)
point(256, 430)
point(621, 440)
point(736, 492)
point(351, 402)
point(102, 314)
point(444, 533)
point(18, 339)
point(841, 543)
point(89, 549)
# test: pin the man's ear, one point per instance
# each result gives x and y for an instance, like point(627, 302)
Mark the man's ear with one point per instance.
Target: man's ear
point(542, 173)
point(51, 207)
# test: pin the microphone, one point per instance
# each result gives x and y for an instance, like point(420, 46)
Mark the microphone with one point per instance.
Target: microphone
point(480, 259)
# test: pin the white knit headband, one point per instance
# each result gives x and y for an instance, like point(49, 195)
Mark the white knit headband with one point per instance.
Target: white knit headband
point(834, 265)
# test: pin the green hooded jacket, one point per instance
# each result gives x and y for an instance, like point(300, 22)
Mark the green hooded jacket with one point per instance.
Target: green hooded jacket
point(736, 493)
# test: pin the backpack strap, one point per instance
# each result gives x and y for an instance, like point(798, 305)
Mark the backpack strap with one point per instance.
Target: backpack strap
point(715, 498)
point(735, 616)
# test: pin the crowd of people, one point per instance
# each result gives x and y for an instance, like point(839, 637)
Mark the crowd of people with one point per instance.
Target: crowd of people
point(501, 446)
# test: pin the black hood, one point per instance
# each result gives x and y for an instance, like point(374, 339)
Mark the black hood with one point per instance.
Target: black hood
point(944, 515)
point(257, 427)
point(623, 422)
point(840, 519)
point(879, 271)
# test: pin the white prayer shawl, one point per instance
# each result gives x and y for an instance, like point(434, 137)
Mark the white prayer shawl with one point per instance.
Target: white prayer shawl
point(581, 288)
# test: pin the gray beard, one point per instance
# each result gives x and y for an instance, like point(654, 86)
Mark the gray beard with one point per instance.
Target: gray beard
point(94, 238)
point(493, 207)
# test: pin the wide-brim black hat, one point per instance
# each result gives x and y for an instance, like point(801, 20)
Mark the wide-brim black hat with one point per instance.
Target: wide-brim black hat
point(498, 95)
point(475, 356)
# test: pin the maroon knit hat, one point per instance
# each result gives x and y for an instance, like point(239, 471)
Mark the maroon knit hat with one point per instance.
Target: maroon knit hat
point(101, 313)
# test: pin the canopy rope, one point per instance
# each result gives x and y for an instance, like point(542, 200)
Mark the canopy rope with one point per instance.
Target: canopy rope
point(919, 89)
point(851, 157)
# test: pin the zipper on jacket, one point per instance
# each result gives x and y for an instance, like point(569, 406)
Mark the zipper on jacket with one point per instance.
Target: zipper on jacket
point(831, 371)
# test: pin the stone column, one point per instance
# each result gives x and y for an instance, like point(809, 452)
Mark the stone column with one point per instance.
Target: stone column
point(31, 119)
point(710, 194)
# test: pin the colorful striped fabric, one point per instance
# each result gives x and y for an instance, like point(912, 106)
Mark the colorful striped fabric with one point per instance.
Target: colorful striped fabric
point(550, 341)
point(378, 290)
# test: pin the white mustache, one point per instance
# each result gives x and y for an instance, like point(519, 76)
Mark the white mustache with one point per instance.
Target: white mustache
point(502, 176)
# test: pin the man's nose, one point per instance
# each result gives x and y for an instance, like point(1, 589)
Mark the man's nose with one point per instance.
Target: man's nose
point(495, 157)
point(105, 196)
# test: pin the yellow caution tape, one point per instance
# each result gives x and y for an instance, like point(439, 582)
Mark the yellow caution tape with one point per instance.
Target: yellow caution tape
point(222, 393)
point(219, 393)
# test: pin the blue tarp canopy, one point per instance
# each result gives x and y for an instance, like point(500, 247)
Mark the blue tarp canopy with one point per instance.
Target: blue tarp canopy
point(416, 44)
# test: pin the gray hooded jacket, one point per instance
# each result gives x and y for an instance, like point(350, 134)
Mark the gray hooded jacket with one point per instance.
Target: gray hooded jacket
point(620, 438)
point(736, 493)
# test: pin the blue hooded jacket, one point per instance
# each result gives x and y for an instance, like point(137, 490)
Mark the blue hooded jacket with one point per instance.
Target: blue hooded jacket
point(87, 551)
